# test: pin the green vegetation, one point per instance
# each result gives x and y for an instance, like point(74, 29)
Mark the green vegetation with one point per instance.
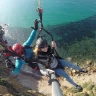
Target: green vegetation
point(82, 51)
point(74, 31)
point(4, 82)
point(88, 90)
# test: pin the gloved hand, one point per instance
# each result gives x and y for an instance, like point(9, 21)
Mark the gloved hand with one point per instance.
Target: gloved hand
point(49, 72)
point(36, 24)
point(9, 64)
point(49, 76)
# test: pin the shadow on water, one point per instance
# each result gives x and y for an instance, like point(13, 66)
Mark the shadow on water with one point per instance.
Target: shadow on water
point(67, 33)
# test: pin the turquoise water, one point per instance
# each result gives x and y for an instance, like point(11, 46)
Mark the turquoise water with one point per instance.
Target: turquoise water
point(22, 13)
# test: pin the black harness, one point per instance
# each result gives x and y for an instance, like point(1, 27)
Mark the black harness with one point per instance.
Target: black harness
point(47, 57)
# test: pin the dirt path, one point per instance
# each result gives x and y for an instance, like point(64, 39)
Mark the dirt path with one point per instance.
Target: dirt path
point(42, 86)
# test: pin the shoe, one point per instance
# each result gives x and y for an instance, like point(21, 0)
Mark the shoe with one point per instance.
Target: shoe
point(79, 88)
point(84, 70)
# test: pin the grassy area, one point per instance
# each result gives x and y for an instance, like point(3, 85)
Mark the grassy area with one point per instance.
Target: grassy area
point(80, 51)
point(89, 89)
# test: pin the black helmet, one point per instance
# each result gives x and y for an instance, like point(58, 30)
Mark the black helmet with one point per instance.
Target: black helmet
point(41, 42)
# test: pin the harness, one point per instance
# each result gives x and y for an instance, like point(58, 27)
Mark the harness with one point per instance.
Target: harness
point(33, 60)
point(46, 57)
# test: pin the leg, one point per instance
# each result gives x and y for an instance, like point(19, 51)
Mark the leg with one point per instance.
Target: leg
point(62, 73)
point(68, 64)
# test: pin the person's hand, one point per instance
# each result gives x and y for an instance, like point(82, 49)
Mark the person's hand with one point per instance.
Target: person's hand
point(9, 64)
point(50, 71)
point(36, 24)
point(53, 44)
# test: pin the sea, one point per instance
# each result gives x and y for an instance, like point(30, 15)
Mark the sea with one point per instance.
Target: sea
point(22, 13)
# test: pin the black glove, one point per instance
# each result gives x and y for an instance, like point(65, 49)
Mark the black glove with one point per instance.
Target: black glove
point(9, 64)
point(36, 24)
